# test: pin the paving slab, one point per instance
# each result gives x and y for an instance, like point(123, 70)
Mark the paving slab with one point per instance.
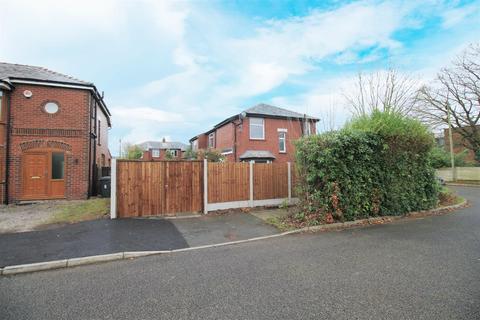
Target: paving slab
point(211, 229)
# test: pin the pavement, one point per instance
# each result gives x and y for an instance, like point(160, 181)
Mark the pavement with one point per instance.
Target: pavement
point(111, 236)
point(427, 268)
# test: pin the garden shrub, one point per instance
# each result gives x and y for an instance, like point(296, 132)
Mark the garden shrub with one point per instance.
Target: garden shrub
point(377, 165)
point(441, 158)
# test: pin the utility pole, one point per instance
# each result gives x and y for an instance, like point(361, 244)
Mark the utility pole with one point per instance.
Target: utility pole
point(450, 138)
point(120, 148)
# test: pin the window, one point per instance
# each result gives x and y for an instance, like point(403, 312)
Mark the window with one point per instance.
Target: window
point(57, 165)
point(257, 129)
point(155, 153)
point(173, 153)
point(103, 160)
point(282, 142)
point(307, 129)
point(211, 141)
point(99, 129)
point(51, 107)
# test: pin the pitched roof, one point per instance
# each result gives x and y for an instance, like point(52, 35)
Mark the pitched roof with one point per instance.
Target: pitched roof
point(162, 145)
point(257, 154)
point(269, 110)
point(21, 71)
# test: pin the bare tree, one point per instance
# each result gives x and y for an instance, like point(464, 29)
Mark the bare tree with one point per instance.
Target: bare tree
point(455, 94)
point(387, 91)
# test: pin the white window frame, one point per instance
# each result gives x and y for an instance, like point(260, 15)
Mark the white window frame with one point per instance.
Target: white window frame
point(257, 125)
point(172, 152)
point(307, 128)
point(211, 140)
point(155, 153)
point(284, 138)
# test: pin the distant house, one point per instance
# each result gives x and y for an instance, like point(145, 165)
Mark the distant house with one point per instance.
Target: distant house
point(157, 150)
point(262, 133)
point(459, 143)
point(53, 134)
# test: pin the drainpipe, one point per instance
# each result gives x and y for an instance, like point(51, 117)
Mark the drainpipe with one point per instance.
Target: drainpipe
point(7, 150)
point(89, 144)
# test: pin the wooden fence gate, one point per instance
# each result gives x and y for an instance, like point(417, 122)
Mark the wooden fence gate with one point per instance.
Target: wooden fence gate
point(157, 188)
point(147, 188)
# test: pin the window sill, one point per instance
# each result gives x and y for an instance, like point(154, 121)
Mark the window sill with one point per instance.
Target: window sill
point(260, 139)
point(282, 152)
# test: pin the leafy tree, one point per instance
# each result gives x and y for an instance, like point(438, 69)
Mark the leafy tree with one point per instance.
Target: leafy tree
point(131, 151)
point(169, 155)
point(441, 158)
point(211, 155)
point(190, 154)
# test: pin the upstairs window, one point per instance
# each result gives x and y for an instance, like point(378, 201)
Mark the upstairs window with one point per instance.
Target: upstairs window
point(307, 129)
point(99, 129)
point(282, 142)
point(155, 153)
point(211, 138)
point(257, 128)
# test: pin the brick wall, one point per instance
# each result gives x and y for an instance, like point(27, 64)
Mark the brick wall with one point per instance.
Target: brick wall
point(73, 116)
point(225, 137)
point(458, 145)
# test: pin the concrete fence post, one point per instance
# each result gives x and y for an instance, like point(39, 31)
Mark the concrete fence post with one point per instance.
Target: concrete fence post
point(205, 186)
point(251, 184)
point(113, 190)
point(289, 170)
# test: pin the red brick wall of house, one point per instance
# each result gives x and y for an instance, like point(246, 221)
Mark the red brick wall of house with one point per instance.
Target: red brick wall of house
point(202, 141)
point(458, 145)
point(270, 143)
point(102, 142)
point(72, 116)
point(225, 138)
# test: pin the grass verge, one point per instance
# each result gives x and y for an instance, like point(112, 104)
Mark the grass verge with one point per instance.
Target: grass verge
point(77, 211)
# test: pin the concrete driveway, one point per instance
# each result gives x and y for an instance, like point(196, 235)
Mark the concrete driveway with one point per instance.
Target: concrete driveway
point(110, 236)
point(416, 269)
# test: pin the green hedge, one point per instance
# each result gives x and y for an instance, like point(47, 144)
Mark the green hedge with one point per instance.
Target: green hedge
point(377, 165)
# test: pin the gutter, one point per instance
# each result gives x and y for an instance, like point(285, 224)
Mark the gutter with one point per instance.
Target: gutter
point(61, 84)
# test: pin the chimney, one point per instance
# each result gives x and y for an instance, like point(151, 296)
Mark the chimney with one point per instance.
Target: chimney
point(163, 140)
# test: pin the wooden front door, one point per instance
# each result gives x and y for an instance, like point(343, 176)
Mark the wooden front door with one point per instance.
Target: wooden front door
point(43, 175)
point(35, 175)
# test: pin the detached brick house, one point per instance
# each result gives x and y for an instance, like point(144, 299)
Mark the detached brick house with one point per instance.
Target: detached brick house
point(460, 144)
point(262, 133)
point(157, 150)
point(53, 134)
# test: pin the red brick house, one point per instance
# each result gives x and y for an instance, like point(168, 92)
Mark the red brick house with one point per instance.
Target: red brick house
point(262, 133)
point(157, 150)
point(460, 144)
point(53, 134)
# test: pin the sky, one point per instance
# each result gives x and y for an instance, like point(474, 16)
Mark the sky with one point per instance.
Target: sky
point(175, 68)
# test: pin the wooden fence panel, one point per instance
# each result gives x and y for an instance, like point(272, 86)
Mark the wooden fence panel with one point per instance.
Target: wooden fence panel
point(294, 181)
point(228, 181)
point(158, 188)
point(270, 181)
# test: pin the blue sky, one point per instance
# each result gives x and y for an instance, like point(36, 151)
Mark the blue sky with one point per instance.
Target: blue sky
point(175, 68)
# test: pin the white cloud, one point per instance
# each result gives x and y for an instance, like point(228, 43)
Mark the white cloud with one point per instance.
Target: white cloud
point(453, 16)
